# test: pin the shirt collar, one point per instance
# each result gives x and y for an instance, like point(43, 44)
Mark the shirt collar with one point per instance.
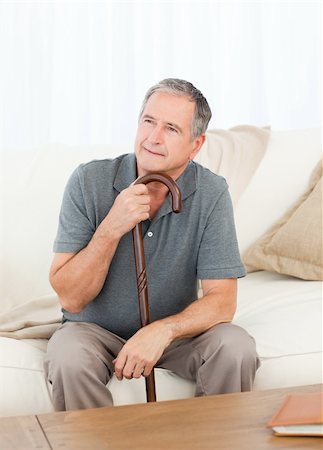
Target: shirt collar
point(127, 172)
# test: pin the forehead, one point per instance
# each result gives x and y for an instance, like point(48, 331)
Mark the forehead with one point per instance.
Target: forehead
point(170, 108)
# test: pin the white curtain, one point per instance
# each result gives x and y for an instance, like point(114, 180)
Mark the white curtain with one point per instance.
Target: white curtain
point(75, 72)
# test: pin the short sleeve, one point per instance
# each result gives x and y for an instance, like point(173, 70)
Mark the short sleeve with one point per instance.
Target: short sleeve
point(219, 256)
point(75, 228)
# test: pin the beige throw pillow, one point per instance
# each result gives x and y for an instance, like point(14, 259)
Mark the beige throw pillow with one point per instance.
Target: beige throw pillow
point(234, 154)
point(293, 246)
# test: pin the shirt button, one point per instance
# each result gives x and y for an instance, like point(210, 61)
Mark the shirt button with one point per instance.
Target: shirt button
point(150, 234)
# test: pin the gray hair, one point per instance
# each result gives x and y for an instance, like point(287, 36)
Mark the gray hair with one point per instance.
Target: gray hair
point(202, 114)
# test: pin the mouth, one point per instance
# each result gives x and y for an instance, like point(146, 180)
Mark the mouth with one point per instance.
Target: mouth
point(152, 152)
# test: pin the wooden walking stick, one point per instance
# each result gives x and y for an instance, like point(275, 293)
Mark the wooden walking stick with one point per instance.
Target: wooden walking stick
point(141, 264)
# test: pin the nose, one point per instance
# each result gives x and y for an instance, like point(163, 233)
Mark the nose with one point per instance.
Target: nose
point(156, 135)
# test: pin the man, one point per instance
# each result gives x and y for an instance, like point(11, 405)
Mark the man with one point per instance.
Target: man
point(93, 270)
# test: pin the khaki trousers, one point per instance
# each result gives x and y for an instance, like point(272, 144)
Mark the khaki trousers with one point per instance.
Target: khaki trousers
point(79, 359)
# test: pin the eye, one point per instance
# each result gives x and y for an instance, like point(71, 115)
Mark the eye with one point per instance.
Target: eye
point(148, 121)
point(172, 129)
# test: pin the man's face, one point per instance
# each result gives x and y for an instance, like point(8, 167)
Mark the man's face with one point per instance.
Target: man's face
point(163, 141)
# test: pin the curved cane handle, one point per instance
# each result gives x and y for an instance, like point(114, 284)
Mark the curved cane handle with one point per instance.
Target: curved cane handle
point(167, 181)
point(141, 264)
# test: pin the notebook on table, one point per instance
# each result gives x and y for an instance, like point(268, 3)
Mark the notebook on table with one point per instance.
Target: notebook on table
point(299, 415)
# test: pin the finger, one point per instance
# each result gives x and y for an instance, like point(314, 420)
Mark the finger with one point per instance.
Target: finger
point(135, 197)
point(143, 200)
point(139, 216)
point(138, 372)
point(128, 370)
point(139, 189)
point(147, 370)
point(119, 364)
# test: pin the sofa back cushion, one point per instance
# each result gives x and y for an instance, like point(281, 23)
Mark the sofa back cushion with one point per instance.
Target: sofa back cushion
point(234, 154)
point(33, 183)
point(280, 180)
point(293, 246)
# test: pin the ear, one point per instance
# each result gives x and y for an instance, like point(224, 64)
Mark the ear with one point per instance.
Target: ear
point(198, 142)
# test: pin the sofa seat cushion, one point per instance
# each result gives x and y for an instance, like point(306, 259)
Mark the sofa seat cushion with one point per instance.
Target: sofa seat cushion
point(289, 370)
point(283, 313)
point(23, 387)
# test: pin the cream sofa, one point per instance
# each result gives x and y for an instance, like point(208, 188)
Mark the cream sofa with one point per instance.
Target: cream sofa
point(269, 172)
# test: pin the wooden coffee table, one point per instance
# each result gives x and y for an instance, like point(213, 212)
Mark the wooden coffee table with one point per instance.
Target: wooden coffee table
point(223, 422)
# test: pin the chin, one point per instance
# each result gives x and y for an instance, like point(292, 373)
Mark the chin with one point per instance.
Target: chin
point(149, 166)
point(150, 169)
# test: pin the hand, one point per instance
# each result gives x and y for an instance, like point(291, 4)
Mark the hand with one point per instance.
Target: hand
point(141, 352)
point(130, 207)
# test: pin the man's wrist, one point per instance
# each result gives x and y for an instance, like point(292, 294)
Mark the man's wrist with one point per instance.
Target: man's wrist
point(171, 329)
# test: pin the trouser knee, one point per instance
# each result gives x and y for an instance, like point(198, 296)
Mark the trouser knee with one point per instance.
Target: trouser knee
point(73, 360)
point(238, 346)
point(66, 361)
point(230, 360)
point(79, 365)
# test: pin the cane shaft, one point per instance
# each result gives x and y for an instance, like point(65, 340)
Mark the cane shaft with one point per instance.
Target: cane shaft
point(141, 264)
point(143, 299)
point(141, 274)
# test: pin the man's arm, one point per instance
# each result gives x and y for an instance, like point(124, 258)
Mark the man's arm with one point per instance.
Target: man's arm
point(79, 277)
point(144, 349)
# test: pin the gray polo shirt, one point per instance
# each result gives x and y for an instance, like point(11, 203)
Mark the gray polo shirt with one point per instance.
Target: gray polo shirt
point(198, 243)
